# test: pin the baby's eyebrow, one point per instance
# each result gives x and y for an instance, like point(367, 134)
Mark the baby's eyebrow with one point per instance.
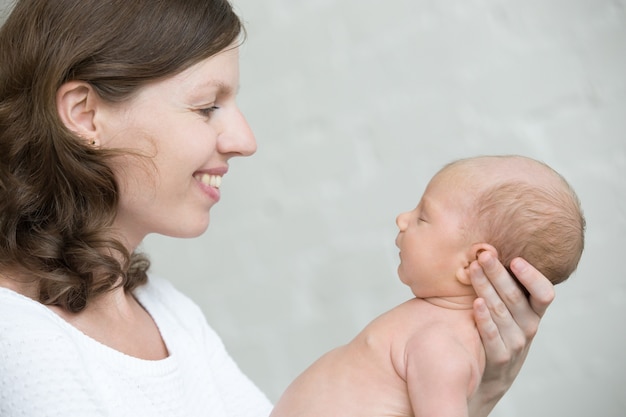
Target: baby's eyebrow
point(426, 208)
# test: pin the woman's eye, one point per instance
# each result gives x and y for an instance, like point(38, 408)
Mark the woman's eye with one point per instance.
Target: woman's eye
point(206, 112)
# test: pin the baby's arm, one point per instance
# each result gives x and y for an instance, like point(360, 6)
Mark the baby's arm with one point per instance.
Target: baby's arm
point(441, 375)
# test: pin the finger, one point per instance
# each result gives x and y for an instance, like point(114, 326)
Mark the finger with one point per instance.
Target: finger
point(498, 315)
point(540, 289)
point(485, 288)
point(509, 296)
point(495, 349)
point(517, 323)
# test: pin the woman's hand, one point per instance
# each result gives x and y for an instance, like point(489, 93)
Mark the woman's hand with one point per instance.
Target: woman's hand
point(507, 322)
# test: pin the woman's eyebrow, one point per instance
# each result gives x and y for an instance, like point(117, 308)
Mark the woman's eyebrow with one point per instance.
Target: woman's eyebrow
point(217, 86)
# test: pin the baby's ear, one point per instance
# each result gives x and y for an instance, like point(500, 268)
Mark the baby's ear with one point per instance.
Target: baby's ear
point(462, 274)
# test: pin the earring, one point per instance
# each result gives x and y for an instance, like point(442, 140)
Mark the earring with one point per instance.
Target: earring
point(91, 142)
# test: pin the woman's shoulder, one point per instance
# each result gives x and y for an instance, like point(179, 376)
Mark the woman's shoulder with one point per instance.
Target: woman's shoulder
point(19, 313)
point(29, 328)
point(33, 339)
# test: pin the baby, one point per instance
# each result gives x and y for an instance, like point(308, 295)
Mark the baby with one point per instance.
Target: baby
point(425, 357)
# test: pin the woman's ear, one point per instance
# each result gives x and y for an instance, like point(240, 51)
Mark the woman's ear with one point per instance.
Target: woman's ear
point(462, 274)
point(76, 104)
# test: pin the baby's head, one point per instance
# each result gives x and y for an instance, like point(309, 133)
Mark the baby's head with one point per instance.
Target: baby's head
point(523, 208)
point(511, 205)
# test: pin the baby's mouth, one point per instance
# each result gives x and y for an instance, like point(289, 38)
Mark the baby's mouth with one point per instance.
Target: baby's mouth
point(211, 180)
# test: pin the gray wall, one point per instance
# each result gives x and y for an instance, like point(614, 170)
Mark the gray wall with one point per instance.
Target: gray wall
point(355, 105)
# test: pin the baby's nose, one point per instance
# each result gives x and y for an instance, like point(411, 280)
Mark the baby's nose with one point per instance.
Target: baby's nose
point(401, 221)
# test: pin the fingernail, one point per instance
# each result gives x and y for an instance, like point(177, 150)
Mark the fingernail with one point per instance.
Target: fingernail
point(490, 259)
point(518, 264)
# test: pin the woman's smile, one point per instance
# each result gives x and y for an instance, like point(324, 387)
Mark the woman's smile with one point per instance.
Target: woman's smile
point(210, 184)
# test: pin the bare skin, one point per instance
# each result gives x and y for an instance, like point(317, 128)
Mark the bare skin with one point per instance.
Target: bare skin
point(371, 374)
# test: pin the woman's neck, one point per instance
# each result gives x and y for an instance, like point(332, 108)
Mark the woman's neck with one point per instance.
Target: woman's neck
point(116, 319)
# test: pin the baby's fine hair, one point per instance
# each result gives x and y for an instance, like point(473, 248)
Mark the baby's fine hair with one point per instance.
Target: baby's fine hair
point(539, 220)
point(58, 194)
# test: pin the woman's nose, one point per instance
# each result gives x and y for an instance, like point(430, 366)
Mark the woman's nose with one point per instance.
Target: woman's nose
point(237, 137)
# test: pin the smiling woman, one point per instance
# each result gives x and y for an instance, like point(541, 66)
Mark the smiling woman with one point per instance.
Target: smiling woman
point(103, 141)
point(68, 190)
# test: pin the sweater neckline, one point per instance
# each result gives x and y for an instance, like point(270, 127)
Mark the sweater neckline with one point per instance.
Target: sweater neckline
point(158, 366)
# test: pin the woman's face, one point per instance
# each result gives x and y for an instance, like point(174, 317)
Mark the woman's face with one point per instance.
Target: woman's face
point(188, 126)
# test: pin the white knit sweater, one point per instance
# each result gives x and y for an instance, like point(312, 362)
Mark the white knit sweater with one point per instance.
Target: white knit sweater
point(49, 368)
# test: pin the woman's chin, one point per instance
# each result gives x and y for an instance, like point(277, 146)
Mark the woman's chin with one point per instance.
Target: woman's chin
point(190, 231)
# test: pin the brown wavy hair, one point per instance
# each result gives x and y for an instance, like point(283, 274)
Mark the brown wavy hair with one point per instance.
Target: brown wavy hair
point(58, 195)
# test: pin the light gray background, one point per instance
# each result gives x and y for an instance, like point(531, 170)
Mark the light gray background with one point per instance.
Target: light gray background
point(356, 104)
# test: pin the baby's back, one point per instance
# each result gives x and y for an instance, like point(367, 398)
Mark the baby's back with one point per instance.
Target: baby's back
point(368, 376)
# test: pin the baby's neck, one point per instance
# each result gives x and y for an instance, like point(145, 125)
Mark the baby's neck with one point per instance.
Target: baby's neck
point(461, 302)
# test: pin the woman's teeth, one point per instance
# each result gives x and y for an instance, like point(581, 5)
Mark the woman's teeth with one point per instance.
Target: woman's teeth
point(210, 180)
